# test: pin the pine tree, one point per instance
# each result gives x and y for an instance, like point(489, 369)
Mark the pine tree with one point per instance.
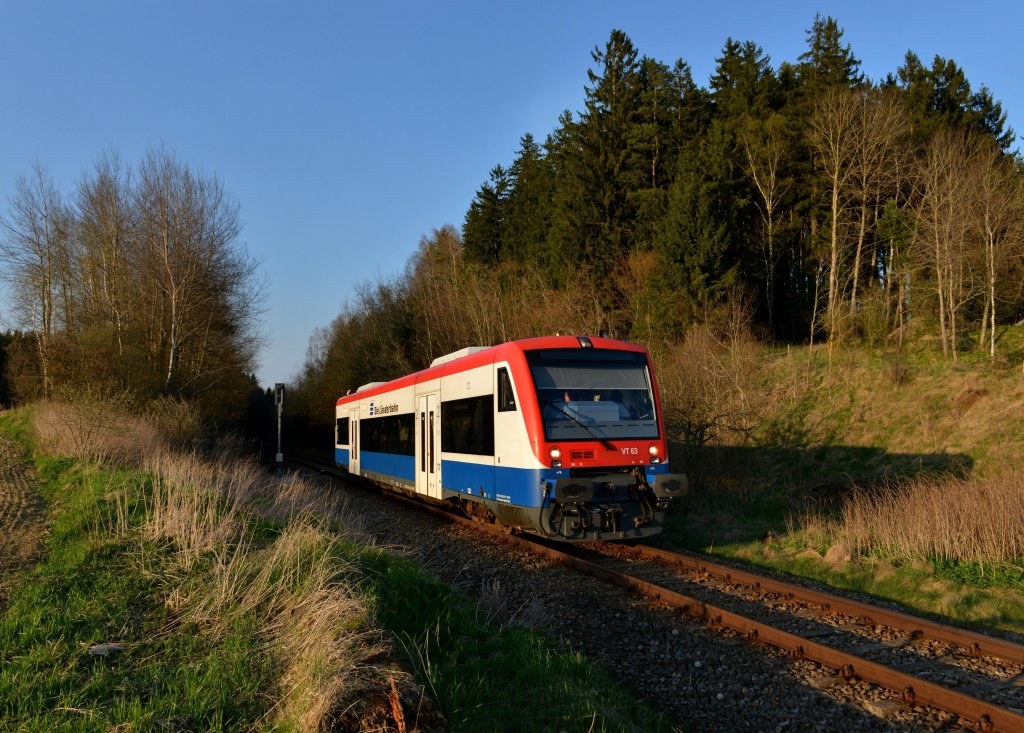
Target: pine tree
point(653, 149)
point(529, 206)
point(612, 109)
point(827, 62)
point(697, 247)
point(693, 107)
point(941, 96)
point(484, 228)
point(743, 82)
point(567, 164)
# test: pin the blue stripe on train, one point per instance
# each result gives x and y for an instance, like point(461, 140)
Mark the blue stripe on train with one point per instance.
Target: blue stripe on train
point(341, 456)
point(389, 464)
point(519, 486)
point(655, 469)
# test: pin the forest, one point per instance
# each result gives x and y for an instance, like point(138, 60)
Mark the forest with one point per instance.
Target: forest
point(134, 287)
point(799, 203)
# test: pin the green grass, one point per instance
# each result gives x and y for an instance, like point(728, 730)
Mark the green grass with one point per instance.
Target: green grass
point(494, 679)
point(857, 425)
point(17, 425)
point(980, 575)
point(94, 588)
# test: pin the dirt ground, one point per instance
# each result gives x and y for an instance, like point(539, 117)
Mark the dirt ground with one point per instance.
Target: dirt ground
point(22, 515)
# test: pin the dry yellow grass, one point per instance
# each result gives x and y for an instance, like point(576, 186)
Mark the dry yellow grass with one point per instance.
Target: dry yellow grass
point(95, 430)
point(975, 411)
point(294, 588)
point(949, 518)
point(855, 421)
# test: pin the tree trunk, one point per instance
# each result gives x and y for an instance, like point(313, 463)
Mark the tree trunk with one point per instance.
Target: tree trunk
point(861, 232)
point(992, 297)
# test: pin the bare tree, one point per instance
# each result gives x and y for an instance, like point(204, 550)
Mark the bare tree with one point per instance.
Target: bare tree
point(765, 147)
point(833, 135)
point(944, 227)
point(105, 234)
point(143, 282)
point(882, 124)
point(999, 218)
point(633, 280)
point(35, 248)
point(195, 285)
point(439, 285)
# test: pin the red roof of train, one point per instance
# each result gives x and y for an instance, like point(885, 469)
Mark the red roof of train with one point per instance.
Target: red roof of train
point(489, 356)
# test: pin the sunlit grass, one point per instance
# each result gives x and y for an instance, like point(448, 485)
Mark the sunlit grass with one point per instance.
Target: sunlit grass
point(900, 461)
point(93, 589)
point(481, 675)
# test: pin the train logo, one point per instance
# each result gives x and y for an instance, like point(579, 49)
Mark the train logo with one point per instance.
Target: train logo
point(382, 410)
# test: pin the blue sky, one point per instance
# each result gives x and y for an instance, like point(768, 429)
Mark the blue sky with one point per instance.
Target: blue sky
point(347, 131)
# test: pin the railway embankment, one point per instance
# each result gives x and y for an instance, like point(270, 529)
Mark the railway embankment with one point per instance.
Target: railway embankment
point(890, 474)
point(176, 592)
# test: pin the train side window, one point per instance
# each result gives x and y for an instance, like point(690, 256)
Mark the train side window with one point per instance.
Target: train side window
point(506, 397)
point(394, 434)
point(341, 437)
point(467, 426)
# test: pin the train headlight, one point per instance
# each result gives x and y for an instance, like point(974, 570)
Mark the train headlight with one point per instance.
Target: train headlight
point(655, 453)
point(556, 457)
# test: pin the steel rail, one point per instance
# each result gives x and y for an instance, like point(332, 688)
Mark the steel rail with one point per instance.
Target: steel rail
point(974, 643)
point(989, 717)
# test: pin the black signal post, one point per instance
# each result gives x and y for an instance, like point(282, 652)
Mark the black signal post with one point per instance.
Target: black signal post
point(279, 401)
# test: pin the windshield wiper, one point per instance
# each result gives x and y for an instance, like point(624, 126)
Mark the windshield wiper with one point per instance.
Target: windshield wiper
point(602, 438)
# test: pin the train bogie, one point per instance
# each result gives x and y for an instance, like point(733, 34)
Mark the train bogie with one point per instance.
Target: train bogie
point(560, 436)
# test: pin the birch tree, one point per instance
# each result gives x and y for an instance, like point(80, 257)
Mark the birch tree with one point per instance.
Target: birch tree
point(999, 220)
point(833, 135)
point(35, 251)
point(765, 145)
point(195, 286)
point(881, 126)
point(944, 228)
point(105, 233)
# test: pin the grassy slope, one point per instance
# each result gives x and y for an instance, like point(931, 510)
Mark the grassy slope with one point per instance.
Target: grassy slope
point(94, 588)
point(865, 419)
point(100, 586)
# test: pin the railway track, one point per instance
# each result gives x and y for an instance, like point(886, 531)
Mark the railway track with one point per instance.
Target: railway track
point(977, 677)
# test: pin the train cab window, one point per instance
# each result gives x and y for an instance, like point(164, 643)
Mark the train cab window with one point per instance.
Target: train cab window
point(594, 394)
point(506, 397)
point(341, 431)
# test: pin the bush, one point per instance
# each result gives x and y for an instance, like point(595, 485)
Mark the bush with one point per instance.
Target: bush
point(96, 426)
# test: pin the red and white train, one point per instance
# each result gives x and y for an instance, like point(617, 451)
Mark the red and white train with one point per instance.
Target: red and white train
point(561, 436)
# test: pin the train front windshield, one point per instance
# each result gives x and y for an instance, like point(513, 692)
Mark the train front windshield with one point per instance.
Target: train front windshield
point(594, 394)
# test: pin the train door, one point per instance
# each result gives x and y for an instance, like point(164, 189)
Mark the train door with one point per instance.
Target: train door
point(508, 427)
point(353, 440)
point(428, 446)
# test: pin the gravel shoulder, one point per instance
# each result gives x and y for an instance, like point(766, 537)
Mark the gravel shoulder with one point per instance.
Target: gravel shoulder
point(702, 679)
point(22, 515)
